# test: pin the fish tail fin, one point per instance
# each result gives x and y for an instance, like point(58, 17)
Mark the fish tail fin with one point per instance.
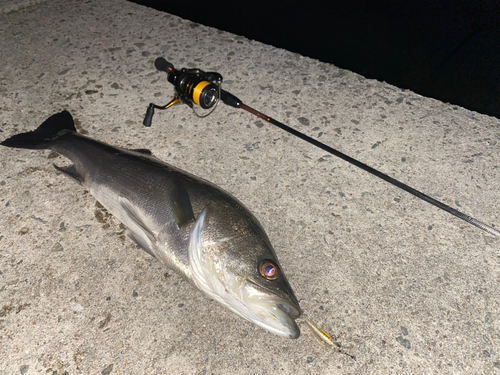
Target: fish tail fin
point(52, 128)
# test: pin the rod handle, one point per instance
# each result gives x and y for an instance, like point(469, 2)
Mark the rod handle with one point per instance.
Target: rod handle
point(163, 65)
point(230, 99)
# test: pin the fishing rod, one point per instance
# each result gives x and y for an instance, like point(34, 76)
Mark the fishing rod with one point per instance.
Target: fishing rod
point(194, 86)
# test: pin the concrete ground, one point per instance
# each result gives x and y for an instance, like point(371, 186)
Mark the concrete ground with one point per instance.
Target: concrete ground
point(406, 287)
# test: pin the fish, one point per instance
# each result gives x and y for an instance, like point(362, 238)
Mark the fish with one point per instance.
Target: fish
point(193, 227)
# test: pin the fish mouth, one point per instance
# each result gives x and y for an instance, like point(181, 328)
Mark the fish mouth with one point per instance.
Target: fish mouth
point(276, 314)
point(253, 302)
point(291, 310)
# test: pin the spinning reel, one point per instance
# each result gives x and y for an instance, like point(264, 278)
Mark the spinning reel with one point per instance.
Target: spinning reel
point(192, 86)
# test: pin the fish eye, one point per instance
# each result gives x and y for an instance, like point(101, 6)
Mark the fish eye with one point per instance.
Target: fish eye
point(269, 270)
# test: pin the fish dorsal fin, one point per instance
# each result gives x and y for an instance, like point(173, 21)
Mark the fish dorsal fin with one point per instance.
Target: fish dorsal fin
point(71, 172)
point(142, 235)
point(144, 151)
point(180, 204)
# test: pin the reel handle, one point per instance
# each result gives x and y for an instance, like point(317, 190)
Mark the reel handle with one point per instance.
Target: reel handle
point(149, 116)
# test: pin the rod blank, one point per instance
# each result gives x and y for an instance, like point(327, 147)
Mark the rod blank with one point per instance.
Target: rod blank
point(373, 171)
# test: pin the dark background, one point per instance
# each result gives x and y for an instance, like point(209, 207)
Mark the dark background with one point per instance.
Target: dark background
point(445, 49)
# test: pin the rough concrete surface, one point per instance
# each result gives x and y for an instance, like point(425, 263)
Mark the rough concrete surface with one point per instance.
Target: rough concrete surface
point(405, 287)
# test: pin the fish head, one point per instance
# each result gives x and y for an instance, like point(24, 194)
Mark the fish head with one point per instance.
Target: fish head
point(233, 262)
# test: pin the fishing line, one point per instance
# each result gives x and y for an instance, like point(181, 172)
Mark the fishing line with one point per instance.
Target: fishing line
point(194, 86)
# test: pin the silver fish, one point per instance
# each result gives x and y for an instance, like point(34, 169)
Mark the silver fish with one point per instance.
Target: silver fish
point(190, 225)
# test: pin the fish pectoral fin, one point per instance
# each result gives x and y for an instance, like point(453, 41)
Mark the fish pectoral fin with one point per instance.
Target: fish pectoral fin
point(180, 204)
point(133, 215)
point(71, 172)
point(142, 243)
